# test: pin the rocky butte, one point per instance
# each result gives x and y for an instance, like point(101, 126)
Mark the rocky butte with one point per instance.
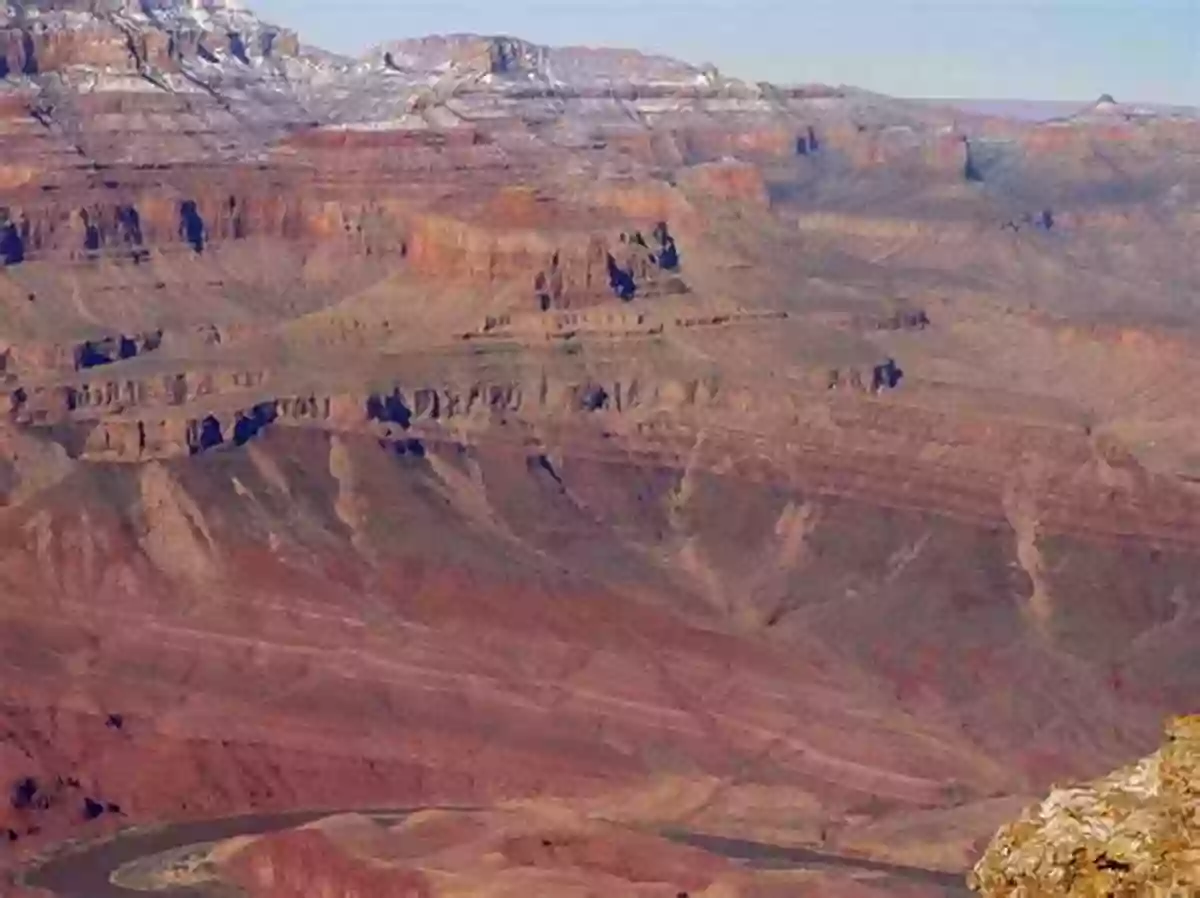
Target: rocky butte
point(476, 422)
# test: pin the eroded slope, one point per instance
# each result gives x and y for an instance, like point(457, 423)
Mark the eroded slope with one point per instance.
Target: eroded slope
point(477, 419)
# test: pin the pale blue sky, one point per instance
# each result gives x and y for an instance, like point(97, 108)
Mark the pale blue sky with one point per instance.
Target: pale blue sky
point(1145, 50)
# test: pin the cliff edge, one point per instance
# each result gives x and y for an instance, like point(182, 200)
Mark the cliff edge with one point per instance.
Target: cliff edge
point(1135, 832)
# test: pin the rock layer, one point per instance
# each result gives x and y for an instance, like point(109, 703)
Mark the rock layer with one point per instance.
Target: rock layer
point(478, 420)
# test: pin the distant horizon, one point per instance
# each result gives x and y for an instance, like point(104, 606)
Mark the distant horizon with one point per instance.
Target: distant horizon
point(1065, 104)
point(1034, 108)
point(1052, 51)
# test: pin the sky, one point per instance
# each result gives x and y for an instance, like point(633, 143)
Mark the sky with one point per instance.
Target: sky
point(1136, 50)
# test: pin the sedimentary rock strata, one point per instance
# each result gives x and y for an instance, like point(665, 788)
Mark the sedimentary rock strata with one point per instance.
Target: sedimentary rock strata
point(476, 420)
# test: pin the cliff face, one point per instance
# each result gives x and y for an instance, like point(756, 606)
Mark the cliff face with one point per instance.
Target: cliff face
point(1134, 832)
point(478, 419)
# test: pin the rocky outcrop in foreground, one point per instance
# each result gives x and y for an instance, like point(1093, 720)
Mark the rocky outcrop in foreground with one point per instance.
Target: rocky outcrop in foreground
point(1133, 833)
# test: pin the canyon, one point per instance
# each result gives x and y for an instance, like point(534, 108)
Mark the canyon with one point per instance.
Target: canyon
point(476, 422)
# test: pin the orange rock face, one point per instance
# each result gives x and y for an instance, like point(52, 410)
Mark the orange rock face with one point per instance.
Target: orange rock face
point(480, 421)
point(730, 183)
point(488, 854)
point(302, 863)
